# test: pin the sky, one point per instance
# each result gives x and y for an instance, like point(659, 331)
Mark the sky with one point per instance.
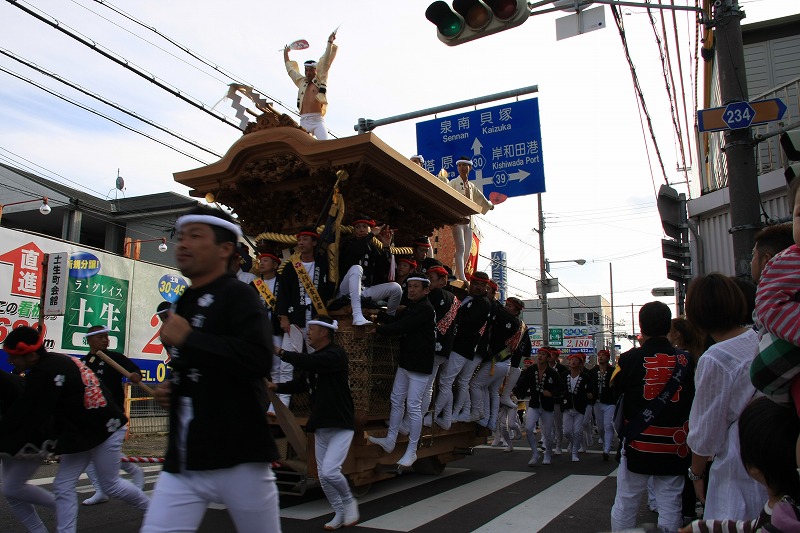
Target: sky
point(601, 169)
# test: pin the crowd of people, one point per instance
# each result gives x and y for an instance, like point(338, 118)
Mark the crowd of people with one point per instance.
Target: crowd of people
point(706, 408)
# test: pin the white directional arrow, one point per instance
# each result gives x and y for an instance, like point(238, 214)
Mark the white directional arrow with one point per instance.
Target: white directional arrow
point(480, 181)
point(519, 175)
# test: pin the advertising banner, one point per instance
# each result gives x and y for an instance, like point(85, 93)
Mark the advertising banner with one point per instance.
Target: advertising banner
point(101, 289)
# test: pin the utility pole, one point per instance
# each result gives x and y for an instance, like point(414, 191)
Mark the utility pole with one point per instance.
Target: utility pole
point(613, 339)
point(543, 275)
point(742, 172)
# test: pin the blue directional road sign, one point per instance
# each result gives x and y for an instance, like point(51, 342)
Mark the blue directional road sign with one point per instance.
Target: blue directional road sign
point(504, 142)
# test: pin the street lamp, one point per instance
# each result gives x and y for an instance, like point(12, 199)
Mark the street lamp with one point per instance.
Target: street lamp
point(43, 209)
point(547, 263)
point(126, 251)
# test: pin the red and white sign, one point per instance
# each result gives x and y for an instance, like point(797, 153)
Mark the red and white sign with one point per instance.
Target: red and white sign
point(26, 279)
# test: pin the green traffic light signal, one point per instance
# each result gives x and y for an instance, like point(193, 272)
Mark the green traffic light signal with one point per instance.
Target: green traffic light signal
point(448, 23)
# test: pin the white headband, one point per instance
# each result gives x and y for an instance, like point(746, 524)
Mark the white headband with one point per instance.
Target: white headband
point(210, 220)
point(417, 157)
point(465, 161)
point(99, 331)
point(334, 326)
point(310, 64)
point(425, 281)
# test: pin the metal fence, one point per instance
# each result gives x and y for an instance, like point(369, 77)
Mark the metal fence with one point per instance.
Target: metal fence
point(145, 416)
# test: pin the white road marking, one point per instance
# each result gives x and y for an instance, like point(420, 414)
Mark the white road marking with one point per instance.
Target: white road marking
point(420, 513)
point(321, 507)
point(535, 513)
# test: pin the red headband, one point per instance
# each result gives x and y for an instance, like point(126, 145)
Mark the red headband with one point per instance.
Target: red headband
point(23, 348)
point(576, 355)
point(311, 234)
point(370, 223)
point(271, 256)
point(409, 261)
point(606, 352)
point(492, 284)
point(438, 270)
point(473, 277)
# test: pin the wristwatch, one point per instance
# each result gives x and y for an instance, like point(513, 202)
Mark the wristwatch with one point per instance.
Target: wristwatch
point(693, 476)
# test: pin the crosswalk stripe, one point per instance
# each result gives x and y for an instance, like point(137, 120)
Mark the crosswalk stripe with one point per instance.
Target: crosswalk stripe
point(49, 480)
point(321, 507)
point(420, 513)
point(535, 513)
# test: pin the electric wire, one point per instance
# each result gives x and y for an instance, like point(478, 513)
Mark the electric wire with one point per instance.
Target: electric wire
point(99, 114)
point(96, 96)
point(105, 52)
point(637, 87)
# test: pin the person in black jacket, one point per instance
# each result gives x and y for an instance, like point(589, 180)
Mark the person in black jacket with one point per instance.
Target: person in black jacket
point(365, 269)
point(445, 305)
point(97, 338)
point(325, 374)
point(543, 384)
point(604, 406)
point(88, 425)
point(659, 451)
point(220, 444)
point(21, 496)
point(578, 391)
point(471, 320)
point(415, 326)
point(268, 289)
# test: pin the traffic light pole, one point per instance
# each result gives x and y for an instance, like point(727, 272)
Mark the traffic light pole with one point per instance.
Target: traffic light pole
point(742, 172)
point(366, 125)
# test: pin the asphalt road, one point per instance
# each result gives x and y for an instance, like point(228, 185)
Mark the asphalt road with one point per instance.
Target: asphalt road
point(488, 491)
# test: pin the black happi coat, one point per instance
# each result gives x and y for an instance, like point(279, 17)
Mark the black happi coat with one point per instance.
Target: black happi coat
point(529, 384)
point(504, 327)
point(221, 370)
point(470, 324)
point(415, 326)
point(443, 303)
point(109, 376)
point(291, 300)
point(603, 386)
point(577, 399)
point(324, 374)
point(524, 349)
point(362, 251)
point(61, 390)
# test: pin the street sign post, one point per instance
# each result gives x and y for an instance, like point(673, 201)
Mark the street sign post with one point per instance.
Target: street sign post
point(504, 143)
point(740, 115)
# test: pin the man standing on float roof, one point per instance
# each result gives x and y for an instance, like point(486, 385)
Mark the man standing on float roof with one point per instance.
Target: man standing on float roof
point(312, 88)
point(462, 233)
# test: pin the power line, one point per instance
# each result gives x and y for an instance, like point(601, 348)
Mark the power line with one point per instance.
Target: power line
point(99, 114)
point(133, 114)
point(637, 87)
point(125, 63)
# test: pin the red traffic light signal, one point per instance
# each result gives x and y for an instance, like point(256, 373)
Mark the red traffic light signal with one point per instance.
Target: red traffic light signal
point(472, 19)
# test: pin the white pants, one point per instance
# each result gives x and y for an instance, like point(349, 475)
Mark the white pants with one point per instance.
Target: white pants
point(438, 360)
point(511, 382)
point(21, 496)
point(285, 371)
point(573, 429)
point(105, 457)
point(545, 419)
point(604, 413)
point(462, 238)
point(331, 446)
point(314, 123)
point(351, 285)
point(489, 379)
point(407, 392)
point(248, 491)
point(91, 473)
point(462, 407)
point(588, 426)
point(558, 425)
point(630, 488)
point(444, 400)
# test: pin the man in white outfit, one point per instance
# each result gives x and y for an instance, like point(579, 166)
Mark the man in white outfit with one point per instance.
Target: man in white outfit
point(462, 233)
point(312, 88)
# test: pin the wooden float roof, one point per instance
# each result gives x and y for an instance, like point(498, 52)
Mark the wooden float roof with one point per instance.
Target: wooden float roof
point(279, 179)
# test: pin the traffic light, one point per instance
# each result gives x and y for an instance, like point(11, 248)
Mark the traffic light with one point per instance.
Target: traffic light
point(790, 142)
point(679, 260)
point(468, 20)
point(672, 208)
